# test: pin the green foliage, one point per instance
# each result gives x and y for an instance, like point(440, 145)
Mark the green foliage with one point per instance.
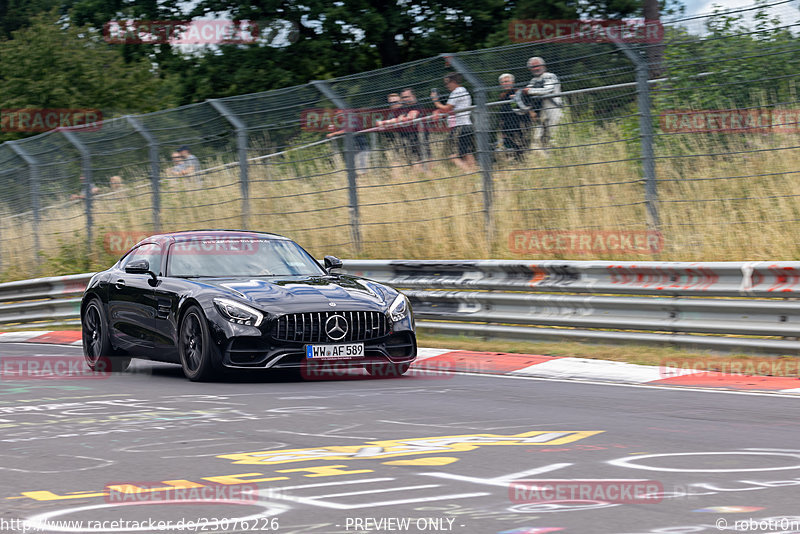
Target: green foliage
point(52, 65)
point(16, 14)
point(748, 62)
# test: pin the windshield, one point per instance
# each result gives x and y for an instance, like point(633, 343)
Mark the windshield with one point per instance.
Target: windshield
point(235, 256)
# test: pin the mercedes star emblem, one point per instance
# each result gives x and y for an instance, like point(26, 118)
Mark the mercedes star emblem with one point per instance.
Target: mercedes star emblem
point(336, 327)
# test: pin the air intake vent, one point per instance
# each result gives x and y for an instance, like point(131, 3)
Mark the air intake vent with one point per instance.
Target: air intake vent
point(322, 327)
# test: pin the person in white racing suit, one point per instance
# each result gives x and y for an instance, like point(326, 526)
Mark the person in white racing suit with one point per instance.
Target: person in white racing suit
point(547, 107)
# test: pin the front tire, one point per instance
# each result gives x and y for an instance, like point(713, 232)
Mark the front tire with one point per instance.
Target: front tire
point(97, 350)
point(195, 347)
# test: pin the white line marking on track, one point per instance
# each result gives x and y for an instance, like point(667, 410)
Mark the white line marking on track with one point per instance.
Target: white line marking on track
point(778, 393)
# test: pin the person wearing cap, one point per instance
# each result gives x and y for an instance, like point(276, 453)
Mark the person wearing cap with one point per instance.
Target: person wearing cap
point(544, 102)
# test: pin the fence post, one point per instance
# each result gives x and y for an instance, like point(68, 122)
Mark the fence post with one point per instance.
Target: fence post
point(241, 145)
point(33, 169)
point(646, 133)
point(484, 146)
point(86, 169)
point(155, 169)
point(349, 159)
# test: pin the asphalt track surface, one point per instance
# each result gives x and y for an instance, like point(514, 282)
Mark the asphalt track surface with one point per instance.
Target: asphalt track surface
point(423, 453)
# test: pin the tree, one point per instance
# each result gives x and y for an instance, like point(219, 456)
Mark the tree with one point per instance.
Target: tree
point(53, 65)
point(16, 14)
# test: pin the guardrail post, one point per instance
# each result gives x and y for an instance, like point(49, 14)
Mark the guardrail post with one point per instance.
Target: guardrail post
point(646, 133)
point(155, 169)
point(86, 168)
point(349, 159)
point(33, 169)
point(484, 146)
point(241, 145)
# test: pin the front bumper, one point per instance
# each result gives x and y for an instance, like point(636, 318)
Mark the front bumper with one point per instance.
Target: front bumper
point(247, 347)
point(262, 353)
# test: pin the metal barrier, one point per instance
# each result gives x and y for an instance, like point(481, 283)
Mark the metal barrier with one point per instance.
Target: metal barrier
point(42, 302)
point(725, 305)
point(720, 305)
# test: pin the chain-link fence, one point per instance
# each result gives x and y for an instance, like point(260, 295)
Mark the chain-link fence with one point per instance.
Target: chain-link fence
point(681, 148)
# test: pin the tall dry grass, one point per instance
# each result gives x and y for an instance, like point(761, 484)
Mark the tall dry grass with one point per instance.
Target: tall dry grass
point(721, 198)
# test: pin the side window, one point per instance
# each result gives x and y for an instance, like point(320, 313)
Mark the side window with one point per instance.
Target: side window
point(150, 252)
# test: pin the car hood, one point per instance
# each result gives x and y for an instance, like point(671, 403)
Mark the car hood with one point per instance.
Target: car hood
point(303, 293)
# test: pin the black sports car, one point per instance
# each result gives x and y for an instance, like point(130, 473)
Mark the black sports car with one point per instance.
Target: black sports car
point(221, 299)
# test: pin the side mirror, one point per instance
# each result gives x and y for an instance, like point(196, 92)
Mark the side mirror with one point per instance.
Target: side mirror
point(332, 262)
point(142, 267)
point(138, 267)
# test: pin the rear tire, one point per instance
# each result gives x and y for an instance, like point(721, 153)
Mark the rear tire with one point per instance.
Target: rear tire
point(387, 370)
point(100, 356)
point(196, 349)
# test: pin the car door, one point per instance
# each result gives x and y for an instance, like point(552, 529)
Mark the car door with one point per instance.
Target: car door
point(132, 303)
point(167, 296)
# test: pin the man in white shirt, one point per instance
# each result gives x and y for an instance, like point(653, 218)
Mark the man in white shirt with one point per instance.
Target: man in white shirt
point(548, 108)
point(462, 133)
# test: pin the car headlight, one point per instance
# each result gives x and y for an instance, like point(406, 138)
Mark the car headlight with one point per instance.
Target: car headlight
point(399, 308)
point(238, 313)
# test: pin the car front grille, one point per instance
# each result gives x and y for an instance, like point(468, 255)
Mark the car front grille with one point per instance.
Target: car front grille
point(311, 327)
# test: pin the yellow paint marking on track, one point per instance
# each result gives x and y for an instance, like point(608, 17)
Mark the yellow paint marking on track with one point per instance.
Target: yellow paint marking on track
point(433, 461)
point(377, 450)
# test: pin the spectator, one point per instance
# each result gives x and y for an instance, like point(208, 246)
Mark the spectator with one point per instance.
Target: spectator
point(547, 107)
point(514, 122)
point(411, 133)
point(115, 183)
point(177, 165)
point(394, 102)
point(360, 142)
point(191, 165)
point(461, 130)
point(395, 110)
point(84, 189)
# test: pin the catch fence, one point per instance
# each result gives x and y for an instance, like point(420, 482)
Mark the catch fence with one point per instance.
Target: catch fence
point(692, 137)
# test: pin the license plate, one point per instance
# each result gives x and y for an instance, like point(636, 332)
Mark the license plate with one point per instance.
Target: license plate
point(340, 351)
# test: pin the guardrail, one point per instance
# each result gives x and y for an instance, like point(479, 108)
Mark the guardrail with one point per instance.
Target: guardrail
point(42, 302)
point(749, 307)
